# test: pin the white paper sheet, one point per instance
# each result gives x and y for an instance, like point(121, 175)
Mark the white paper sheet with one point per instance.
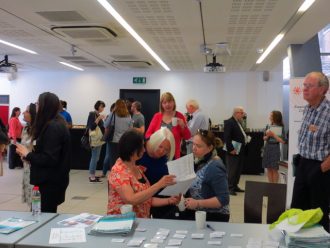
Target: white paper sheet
point(288, 227)
point(237, 146)
point(183, 169)
point(67, 235)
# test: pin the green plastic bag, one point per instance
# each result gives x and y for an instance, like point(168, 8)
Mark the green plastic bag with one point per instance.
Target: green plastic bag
point(297, 216)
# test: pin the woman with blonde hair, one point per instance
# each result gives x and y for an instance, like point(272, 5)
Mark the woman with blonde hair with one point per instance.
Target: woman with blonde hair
point(170, 118)
point(159, 149)
point(122, 122)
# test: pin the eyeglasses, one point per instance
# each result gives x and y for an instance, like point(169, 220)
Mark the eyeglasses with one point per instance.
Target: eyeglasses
point(203, 132)
point(309, 86)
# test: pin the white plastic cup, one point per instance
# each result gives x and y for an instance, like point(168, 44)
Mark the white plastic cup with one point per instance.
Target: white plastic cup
point(174, 121)
point(126, 208)
point(200, 217)
point(181, 205)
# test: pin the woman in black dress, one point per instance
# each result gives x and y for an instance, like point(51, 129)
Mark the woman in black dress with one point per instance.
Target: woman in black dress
point(50, 158)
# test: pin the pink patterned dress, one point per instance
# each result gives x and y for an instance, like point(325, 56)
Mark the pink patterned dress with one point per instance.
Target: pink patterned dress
point(120, 175)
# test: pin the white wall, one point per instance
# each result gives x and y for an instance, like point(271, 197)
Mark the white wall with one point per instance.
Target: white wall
point(216, 93)
point(5, 85)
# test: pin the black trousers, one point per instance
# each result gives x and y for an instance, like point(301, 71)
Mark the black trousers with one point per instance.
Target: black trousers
point(114, 153)
point(234, 165)
point(51, 197)
point(165, 212)
point(188, 214)
point(311, 188)
point(14, 160)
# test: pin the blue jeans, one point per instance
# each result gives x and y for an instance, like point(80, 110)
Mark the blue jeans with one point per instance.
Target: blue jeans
point(106, 162)
point(94, 159)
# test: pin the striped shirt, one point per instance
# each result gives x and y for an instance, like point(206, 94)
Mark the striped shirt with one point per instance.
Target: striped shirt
point(314, 134)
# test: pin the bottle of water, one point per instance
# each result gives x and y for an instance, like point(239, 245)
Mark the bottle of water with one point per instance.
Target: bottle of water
point(36, 201)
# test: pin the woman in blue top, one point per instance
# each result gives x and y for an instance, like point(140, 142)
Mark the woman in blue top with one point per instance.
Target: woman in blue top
point(159, 149)
point(209, 191)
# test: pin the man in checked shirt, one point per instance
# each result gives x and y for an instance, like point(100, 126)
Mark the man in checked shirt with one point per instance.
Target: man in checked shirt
point(312, 184)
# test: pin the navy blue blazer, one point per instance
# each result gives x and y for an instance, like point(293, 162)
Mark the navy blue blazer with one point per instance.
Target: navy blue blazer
point(232, 131)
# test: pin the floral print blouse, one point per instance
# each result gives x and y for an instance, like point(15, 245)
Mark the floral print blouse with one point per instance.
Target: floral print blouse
point(121, 175)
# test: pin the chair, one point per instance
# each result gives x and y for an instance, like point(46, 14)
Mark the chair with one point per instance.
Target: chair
point(253, 201)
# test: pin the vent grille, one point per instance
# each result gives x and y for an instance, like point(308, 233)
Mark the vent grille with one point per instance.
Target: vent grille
point(132, 64)
point(82, 61)
point(62, 16)
point(124, 57)
point(85, 32)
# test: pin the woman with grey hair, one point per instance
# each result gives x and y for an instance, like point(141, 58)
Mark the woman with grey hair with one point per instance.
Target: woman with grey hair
point(159, 149)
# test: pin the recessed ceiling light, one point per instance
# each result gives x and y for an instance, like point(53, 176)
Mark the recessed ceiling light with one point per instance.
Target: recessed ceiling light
point(71, 66)
point(273, 44)
point(17, 47)
point(305, 6)
point(129, 29)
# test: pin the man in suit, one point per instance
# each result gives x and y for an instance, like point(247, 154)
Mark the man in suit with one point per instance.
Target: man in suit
point(233, 136)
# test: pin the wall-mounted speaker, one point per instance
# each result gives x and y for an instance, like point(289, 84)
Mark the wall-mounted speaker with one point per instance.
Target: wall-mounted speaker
point(265, 76)
point(11, 76)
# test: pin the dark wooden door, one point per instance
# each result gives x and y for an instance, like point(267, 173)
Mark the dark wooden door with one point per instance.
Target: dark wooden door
point(148, 98)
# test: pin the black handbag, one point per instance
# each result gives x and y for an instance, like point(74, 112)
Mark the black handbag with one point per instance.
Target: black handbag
point(109, 131)
point(84, 141)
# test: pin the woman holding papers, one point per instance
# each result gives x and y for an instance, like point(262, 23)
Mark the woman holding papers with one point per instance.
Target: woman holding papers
point(50, 158)
point(129, 185)
point(274, 135)
point(209, 191)
point(159, 149)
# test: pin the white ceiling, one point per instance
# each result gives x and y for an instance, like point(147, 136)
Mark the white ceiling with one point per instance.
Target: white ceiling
point(172, 28)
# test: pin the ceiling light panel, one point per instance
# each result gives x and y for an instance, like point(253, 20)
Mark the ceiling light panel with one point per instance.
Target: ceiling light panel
point(120, 19)
point(71, 66)
point(17, 47)
point(157, 18)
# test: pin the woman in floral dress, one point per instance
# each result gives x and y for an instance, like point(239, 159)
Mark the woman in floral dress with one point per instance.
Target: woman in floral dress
point(29, 116)
point(129, 185)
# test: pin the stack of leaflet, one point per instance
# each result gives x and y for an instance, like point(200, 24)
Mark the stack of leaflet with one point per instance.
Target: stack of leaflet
point(121, 223)
point(13, 224)
point(311, 237)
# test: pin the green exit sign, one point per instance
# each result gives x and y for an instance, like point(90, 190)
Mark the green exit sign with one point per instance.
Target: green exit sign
point(139, 80)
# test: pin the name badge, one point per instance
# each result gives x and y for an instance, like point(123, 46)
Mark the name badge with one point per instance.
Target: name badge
point(312, 128)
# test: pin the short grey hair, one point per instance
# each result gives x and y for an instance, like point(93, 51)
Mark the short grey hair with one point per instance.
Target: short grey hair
point(159, 136)
point(237, 109)
point(323, 79)
point(193, 103)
